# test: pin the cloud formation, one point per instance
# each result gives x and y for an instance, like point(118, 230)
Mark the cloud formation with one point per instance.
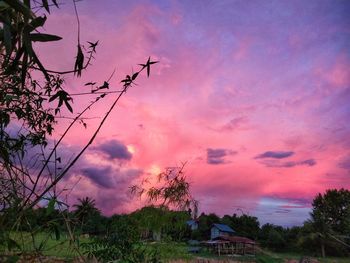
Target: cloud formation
point(247, 79)
point(238, 123)
point(114, 150)
point(290, 164)
point(217, 156)
point(345, 163)
point(274, 155)
point(100, 176)
point(109, 177)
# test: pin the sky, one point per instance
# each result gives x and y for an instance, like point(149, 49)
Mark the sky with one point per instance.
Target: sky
point(253, 95)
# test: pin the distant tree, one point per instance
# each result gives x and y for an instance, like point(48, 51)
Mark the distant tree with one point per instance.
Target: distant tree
point(244, 225)
point(85, 208)
point(333, 209)
point(330, 217)
point(171, 192)
point(205, 222)
point(273, 237)
point(155, 222)
point(292, 237)
point(150, 220)
point(176, 228)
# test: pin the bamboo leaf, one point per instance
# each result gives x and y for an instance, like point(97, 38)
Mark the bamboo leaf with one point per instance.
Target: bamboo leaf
point(69, 107)
point(134, 76)
point(55, 3)
point(90, 83)
point(46, 5)
point(57, 232)
point(37, 22)
point(50, 206)
point(79, 62)
point(7, 39)
point(20, 7)
point(39, 37)
point(54, 97)
point(104, 86)
point(27, 43)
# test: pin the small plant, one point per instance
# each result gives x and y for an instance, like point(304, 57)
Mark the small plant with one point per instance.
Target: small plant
point(114, 247)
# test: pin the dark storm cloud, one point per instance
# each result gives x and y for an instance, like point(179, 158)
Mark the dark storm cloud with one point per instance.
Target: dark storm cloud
point(100, 176)
point(106, 200)
point(114, 149)
point(274, 155)
point(217, 156)
point(107, 177)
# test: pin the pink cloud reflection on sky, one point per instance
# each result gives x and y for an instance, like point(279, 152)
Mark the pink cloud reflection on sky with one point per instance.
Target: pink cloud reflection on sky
point(254, 95)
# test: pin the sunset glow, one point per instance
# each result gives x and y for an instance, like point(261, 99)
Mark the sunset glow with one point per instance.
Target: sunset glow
point(253, 95)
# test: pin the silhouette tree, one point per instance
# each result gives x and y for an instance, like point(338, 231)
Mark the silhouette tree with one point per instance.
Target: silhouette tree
point(330, 216)
point(85, 208)
point(171, 191)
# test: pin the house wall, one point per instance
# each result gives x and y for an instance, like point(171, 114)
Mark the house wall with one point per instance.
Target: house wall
point(215, 232)
point(194, 226)
point(225, 234)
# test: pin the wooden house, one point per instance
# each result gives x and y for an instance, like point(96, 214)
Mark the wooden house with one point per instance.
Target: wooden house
point(231, 245)
point(218, 230)
point(193, 224)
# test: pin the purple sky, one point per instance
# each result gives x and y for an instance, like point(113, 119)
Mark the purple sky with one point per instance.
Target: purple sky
point(254, 95)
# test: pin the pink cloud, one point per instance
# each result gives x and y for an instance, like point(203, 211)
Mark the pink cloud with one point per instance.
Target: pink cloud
point(232, 86)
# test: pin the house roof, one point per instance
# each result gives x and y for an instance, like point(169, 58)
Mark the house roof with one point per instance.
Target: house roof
point(223, 228)
point(191, 222)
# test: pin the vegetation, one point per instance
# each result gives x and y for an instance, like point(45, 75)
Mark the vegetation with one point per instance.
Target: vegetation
point(34, 219)
point(32, 100)
point(330, 221)
point(130, 237)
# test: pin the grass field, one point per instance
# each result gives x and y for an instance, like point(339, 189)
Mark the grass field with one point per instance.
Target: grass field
point(45, 244)
point(168, 251)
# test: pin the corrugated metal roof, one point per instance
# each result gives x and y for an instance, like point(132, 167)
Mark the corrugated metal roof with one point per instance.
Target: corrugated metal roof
point(224, 228)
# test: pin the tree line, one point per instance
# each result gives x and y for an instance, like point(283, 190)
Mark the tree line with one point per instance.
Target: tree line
point(32, 100)
point(327, 232)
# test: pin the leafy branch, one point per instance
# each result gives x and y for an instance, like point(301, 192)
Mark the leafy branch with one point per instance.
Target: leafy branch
point(173, 190)
point(126, 84)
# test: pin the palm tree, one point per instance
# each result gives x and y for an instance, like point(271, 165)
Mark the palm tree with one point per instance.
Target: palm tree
point(85, 208)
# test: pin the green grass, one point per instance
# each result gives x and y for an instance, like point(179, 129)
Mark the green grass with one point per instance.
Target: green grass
point(298, 256)
point(179, 251)
point(171, 250)
point(45, 244)
point(167, 251)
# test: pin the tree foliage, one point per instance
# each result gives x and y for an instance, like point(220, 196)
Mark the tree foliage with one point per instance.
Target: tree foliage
point(331, 211)
point(32, 100)
point(85, 208)
point(330, 219)
point(30, 103)
point(172, 190)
